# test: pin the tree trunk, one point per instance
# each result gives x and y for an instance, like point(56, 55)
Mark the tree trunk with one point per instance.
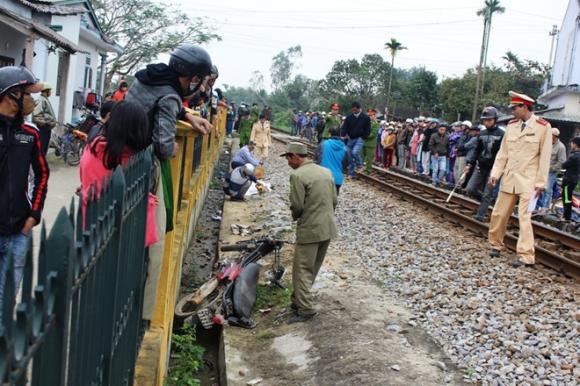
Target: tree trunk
point(485, 57)
point(479, 71)
point(390, 81)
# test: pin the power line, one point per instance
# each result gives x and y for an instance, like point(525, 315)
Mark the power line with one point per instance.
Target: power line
point(324, 11)
point(534, 14)
point(358, 27)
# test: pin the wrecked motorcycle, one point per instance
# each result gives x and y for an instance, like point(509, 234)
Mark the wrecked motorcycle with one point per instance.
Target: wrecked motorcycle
point(231, 293)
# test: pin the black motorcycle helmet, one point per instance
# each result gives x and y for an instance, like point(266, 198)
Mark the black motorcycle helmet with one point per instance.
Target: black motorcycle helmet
point(489, 112)
point(214, 71)
point(15, 76)
point(190, 60)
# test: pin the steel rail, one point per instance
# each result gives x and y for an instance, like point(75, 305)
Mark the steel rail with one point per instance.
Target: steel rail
point(402, 185)
point(548, 258)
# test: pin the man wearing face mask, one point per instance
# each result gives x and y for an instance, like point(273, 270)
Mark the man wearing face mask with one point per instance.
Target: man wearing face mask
point(160, 89)
point(20, 150)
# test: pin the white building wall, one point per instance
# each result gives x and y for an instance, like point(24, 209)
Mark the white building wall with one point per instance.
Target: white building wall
point(17, 8)
point(70, 30)
point(567, 59)
point(45, 67)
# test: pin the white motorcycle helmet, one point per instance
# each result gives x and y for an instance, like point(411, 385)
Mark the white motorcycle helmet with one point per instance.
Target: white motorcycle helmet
point(249, 169)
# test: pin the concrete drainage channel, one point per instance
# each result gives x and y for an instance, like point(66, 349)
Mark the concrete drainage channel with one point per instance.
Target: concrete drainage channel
point(197, 269)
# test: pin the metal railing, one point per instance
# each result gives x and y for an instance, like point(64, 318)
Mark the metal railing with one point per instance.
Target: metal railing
point(81, 323)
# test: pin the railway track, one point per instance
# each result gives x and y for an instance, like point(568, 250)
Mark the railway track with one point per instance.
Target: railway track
point(554, 248)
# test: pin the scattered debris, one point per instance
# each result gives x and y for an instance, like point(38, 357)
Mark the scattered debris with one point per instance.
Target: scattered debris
point(254, 382)
point(394, 328)
point(396, 367)
point(244, 230)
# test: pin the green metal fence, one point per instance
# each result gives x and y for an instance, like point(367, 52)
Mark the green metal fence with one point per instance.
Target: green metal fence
point(81, 323)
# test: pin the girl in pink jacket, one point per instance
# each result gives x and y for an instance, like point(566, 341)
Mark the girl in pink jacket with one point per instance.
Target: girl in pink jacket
point(125, 134)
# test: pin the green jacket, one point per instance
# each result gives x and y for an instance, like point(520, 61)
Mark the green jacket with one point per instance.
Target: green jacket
point(332, 122)
point(371, 140)
point(312, 202)
point(254, 114)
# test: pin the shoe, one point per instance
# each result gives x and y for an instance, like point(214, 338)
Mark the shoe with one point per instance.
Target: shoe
point(517, 263)
point(301, 318)
point(494, 252)
point(480, 219)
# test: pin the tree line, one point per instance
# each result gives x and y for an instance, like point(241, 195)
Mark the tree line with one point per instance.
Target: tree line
point(415, 91)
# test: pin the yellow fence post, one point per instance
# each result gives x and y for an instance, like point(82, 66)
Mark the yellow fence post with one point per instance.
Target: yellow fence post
point(151, 368)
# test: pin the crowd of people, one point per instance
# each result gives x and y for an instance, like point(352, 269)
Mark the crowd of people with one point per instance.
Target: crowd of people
point(459, 154)
point(526, 156)
point(136, 116)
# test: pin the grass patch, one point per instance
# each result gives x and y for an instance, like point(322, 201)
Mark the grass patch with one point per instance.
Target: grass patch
point(265, 334)
point(186, 358)
point(268, 297)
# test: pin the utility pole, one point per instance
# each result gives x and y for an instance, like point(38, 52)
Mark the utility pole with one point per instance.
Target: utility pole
point(478, 83)
point(553, 34)
point(491, 7)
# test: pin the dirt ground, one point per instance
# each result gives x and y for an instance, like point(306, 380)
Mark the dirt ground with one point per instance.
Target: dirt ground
point(361, 336)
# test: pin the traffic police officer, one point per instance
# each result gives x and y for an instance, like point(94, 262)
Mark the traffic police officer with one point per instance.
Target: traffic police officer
point(312, 203)
point(333, 120)
point(522, 163)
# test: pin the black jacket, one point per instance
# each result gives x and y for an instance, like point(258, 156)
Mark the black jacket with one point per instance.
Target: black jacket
point(20, 149)
point(357, 127)
point(572, 166)
point(439, 144)
point(427, 137)
point(460, 144)
point(488, 144)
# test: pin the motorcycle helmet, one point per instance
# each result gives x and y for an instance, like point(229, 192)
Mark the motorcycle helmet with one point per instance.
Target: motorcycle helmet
point(190, 60)
point(16, 76)
point(249, 169)
point(489, 112)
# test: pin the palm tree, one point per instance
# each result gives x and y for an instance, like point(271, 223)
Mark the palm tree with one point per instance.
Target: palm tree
point(393, 47)
point(491, 7)
point(513, 61)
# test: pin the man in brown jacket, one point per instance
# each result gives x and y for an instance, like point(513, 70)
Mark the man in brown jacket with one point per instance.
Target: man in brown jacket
point(522, 164)
point(43, 116)
point(262, 137)
point(312, 203)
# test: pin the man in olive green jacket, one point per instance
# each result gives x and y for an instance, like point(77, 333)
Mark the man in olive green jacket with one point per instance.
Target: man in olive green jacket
point(312, 202)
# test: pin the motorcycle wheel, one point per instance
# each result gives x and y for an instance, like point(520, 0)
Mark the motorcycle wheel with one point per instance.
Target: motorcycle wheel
point(185, 309)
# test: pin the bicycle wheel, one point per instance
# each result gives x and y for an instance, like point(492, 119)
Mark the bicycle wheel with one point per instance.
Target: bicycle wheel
point(73, 156)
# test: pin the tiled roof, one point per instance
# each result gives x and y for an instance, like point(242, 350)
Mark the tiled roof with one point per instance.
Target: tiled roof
point(24, 25)
point(49, 7)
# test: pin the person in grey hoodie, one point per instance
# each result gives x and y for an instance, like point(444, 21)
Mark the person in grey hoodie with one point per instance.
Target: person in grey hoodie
point(160, 89)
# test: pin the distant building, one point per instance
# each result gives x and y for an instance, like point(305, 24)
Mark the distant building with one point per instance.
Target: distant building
point(563, 96)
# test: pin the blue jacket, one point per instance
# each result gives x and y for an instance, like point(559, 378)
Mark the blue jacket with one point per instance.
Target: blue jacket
point(333, 151)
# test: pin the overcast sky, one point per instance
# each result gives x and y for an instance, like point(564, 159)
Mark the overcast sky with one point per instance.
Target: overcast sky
point(444, 36)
